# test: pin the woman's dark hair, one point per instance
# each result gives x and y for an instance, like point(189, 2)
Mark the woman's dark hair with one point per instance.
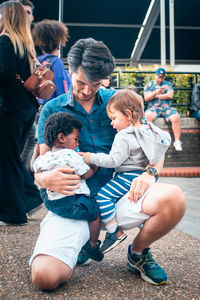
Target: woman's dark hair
point(61, 122)
point(93, 57)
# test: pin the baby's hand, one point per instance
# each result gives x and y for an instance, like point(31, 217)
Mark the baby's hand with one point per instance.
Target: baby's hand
point(86, 156)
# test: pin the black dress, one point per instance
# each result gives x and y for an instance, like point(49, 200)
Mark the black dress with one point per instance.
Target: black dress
point(18, 108)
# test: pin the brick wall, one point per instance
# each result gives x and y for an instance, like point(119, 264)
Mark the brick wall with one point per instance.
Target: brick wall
point(190, 137)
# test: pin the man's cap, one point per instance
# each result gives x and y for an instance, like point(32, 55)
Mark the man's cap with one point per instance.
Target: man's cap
point(160, 72)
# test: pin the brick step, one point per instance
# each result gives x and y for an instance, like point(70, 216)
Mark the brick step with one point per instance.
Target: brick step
point(190, 137)
point(182, 158)
point(181, 172)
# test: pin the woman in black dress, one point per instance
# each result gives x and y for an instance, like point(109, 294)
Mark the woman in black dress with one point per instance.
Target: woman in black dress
point(18, 194)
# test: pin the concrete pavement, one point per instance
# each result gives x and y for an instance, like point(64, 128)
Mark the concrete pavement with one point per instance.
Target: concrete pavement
point(178, 253)
point(190, 223)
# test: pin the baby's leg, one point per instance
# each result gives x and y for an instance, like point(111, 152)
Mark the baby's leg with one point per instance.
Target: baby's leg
point(91, 248)
point(94, 227)
point(106, 199)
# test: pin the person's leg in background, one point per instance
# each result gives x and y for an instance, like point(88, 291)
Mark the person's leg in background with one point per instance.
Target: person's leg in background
point(174, 118)
point(15, 199)
point(30, 143)
point(150, 114)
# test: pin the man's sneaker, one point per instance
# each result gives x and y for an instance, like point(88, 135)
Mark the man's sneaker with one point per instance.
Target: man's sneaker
point(178, 145)
point(149, 270)
point(93, 253)
point(132, 269)
point(111, 240)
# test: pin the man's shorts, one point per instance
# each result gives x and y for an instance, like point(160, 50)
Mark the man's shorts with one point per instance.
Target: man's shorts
point(63, 238)
point(164, 111)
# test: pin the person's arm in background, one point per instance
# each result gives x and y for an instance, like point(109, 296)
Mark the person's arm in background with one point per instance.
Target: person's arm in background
point(148, 94)
point(141, 183)
point(167, 96)
point(62, 79)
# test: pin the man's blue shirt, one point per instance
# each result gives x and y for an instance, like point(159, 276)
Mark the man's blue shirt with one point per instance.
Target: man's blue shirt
point(96, 134)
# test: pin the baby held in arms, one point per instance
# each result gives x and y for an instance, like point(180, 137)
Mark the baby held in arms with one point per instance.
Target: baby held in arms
point(138, 144)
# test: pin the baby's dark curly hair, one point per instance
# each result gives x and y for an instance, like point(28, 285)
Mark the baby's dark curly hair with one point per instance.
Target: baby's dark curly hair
point(60, 122)
point(49, 34)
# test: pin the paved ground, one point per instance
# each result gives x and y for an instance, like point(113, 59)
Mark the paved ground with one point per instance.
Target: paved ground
point(178, 253)
point(191, 220)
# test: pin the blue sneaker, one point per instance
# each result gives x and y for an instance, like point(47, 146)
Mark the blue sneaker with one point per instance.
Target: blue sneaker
point(112, 240)
point(87, 253)
point(83, 260)
point(93, 253)
point(149, 270)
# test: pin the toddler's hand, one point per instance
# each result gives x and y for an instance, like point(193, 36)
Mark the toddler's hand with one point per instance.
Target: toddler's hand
point(86, 156)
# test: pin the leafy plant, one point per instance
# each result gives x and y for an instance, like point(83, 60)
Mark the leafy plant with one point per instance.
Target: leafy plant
point(183, 84)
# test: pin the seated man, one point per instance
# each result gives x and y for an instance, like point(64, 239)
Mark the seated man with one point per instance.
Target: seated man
point(195, 102)
point(159, 209)
point(158, 94)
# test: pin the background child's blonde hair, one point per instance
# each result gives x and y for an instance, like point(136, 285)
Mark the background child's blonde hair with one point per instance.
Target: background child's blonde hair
point(127, 99)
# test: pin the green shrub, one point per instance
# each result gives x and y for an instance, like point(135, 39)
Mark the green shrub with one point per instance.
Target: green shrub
point(137, 80)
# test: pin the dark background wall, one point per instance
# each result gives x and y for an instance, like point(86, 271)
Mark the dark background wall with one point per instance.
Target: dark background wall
point(121, 40)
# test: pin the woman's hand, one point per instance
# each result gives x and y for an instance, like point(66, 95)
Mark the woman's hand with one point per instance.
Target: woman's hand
point(60, 180)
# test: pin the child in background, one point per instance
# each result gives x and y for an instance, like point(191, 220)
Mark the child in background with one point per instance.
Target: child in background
point(61, 133)
point(49, 35)
point(137, 144)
